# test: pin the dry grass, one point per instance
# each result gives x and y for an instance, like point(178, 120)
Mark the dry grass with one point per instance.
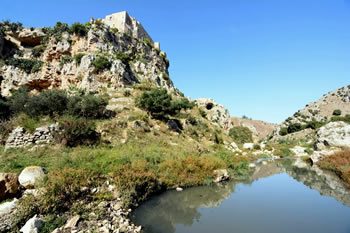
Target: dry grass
point(339, 163)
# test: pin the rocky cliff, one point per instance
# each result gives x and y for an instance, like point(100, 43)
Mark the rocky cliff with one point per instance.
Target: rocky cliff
point(93, 57)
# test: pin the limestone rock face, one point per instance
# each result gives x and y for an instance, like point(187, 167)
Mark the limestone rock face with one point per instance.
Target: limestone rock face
point(334, 134)
point(132, 61)
point(29, 37)
point(215, 112)
point(9, 185)
point(30, 176)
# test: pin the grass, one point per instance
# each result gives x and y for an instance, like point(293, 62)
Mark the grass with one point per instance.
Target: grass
point(138, 167)
point(339, 163)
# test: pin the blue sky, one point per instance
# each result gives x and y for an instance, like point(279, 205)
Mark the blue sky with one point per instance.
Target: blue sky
point(260, 58)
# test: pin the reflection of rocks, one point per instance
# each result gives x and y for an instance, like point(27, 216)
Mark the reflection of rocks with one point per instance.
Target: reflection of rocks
point(325, 183)
point(184, 207)
point(163, 213)
point(266, 170)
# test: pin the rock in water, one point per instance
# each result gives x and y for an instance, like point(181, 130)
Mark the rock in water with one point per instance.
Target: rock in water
point(30, 176)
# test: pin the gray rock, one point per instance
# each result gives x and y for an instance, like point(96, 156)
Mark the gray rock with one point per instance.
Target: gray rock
point(334, 134)
point(8, 207)
point(30, 176)
point(221, 175)
point(33, 225)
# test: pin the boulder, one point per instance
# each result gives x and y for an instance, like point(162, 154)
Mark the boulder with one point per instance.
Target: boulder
point(299, 151)
point(8, 207)
point(334, 134)
point(30, 176)
point(9, 185)
point(33, 225)
point(248, 146)
point(221, 175)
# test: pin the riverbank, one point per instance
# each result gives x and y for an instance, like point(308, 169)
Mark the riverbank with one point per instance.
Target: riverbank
point(79, 179)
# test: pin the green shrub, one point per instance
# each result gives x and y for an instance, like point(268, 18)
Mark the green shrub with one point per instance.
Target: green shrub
point(47, 103)
point(5, 111)
point(159, 103)
point(340, 118)
point(38, 50)
point(89, 106)
point(18, 100)
point(77, 58)
point(79, 29)
point(65, 60)
point(77, 132)
point(14, 27)
point(27, 65)
point(292, 128)
point(60, 28)
point(337, 112)
point(125, 58)
point(314, 124)
point(241, 134)
point(283, 131)
point(101, 63)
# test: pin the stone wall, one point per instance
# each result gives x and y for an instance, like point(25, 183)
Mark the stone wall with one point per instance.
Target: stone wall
point(19, 137)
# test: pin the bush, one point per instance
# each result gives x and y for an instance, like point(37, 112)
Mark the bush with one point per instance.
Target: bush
point(292, 128)
point(65, 60)
point(77, 132)
point(56, 102)
point(337, 112)
point(101, 63)
point(79, 29)
point(339, 118)
point(159, 103)
point(5, 111)
point(89, 106)
point(283, 131)
point(38, 50)
point(77, 58)
point(241, 134)
point(18, 100)
point(27, 65)
point(47, 103)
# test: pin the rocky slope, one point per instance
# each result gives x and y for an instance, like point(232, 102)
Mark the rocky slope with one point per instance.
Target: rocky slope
point(332, 106)
point(92, 57)
point(260, 129)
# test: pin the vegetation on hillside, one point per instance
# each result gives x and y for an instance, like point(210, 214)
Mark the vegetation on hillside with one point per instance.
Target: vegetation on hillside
point(241, 134)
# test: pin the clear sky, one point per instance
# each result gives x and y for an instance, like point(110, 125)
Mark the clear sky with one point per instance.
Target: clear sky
point(260, 58)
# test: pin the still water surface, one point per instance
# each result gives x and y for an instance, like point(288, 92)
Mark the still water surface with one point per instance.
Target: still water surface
point(274, 204)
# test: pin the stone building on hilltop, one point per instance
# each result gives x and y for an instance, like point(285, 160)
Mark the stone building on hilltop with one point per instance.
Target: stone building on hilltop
point(129, 25)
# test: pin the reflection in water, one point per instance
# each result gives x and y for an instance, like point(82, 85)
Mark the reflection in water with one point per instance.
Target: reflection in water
point(272, 201)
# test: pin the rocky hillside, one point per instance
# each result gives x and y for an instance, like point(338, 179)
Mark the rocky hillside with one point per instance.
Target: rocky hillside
point(260, 129)
point(92, 57)
point(333, 106)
